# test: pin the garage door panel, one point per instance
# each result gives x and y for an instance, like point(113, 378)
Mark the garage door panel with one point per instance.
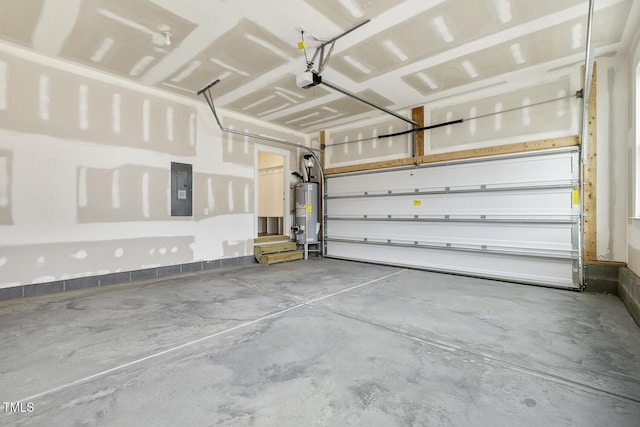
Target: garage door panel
point(527, 171)
point(531, 270)
point(555, 201)
point(555, 237)
point(511, 217)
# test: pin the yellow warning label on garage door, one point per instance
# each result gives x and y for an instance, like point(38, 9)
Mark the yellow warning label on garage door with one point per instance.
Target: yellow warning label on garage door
point(576, 196)
point(417, 203)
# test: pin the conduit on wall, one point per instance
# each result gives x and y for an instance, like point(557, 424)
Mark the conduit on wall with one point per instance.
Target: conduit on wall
point(584, 137)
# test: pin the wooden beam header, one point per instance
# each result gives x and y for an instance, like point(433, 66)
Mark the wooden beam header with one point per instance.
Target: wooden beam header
point(521, 147)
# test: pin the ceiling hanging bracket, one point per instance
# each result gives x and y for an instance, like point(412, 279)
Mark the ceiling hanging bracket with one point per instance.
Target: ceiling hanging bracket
point(311, 77)
point(319, 54)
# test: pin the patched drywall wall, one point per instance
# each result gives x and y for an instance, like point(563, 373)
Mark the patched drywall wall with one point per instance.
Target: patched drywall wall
point(612, 169)
point(37, 263)
point(85, 164)
point(238, 148)
point(632, 153)
point(222, 195)
point(507, 116)
point(51, 101)
point(525, 108)
point(359, 143)
point(5, 188)
point(126, 193)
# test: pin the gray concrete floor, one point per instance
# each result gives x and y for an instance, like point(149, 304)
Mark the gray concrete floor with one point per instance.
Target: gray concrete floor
point(320, 343)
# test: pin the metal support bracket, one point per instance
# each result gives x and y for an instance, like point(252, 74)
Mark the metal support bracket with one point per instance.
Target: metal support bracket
point(206, 93)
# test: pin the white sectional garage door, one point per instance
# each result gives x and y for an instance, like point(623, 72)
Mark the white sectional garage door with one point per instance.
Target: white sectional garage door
point(512, 218)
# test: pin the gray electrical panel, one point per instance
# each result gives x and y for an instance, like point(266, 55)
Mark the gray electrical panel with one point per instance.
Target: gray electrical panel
point(181, 189)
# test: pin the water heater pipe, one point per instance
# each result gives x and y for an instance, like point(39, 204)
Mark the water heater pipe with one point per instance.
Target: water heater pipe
point(322, 202)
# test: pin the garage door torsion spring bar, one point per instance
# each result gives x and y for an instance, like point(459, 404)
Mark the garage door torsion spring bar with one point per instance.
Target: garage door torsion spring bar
point(578, 94)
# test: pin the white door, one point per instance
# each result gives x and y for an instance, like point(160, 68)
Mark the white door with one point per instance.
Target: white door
point(271, 199)
point(512, 217)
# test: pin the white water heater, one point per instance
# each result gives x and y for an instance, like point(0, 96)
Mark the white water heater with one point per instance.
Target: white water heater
point(306, 200)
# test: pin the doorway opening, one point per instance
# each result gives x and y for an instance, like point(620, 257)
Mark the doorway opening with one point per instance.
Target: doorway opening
point(271, 198)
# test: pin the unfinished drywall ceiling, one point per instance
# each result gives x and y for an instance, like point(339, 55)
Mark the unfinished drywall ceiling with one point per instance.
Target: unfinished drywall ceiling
point(133, 35)
point(18, 20)
point(411, 52)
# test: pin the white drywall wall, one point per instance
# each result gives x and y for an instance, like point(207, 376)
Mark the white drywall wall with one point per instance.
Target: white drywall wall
point(633, 158)
point(85, 174)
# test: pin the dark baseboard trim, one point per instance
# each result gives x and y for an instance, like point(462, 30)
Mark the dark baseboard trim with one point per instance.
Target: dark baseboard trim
point(602, 277)
point(47, 288)
point(629, 291)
